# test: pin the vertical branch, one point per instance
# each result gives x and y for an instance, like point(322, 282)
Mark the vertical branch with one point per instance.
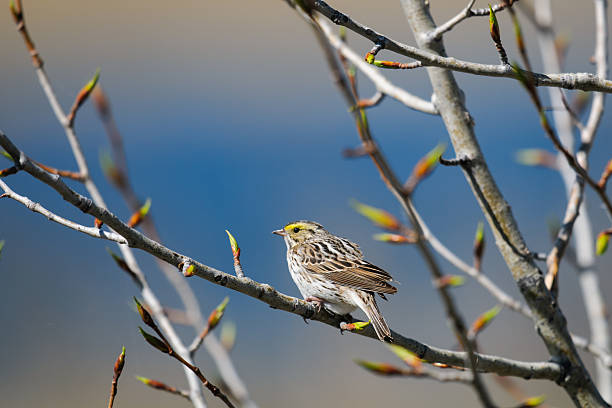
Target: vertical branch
point(583, 233)
point(190, 303)
point(548, 318)
point(148, 295)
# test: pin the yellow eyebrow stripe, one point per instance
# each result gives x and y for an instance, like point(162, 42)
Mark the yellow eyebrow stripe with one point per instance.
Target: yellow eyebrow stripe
point(294, 225)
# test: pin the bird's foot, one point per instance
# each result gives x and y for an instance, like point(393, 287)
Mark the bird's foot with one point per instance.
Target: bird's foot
point(318, 302)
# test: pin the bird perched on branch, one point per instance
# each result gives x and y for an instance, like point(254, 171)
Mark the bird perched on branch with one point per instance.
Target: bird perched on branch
point(331, 272)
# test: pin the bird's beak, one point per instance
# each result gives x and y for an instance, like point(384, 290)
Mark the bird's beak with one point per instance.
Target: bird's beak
point(280, 232)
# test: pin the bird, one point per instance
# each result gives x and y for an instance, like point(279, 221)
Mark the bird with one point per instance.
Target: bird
point(330, 271)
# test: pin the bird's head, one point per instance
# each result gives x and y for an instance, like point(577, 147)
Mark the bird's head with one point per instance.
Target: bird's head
point(301, 231)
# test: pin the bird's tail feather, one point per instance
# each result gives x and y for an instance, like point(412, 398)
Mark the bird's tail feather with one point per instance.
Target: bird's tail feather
point(367, 303)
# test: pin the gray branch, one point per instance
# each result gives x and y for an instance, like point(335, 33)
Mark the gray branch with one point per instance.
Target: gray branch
point(584, 81)
point(267, 294)
point(548, 318)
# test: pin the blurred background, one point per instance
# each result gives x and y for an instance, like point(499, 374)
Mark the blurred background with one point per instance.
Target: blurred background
point(230, 121)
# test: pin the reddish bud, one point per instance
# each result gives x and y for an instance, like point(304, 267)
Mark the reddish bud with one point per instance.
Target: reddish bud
point(144, 314)
point(380, 368)
point(484, 320)
point(394, 238)
point(216, 315)
point(119, 363)
point(139, 215)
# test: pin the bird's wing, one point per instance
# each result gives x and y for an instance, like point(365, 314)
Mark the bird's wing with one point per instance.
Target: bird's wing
point(352, 273)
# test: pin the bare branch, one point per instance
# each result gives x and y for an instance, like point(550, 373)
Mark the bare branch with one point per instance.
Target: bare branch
point(36, 207)
point(549, 320)
point(191, 305)
point(382, 84)
point(267, 294)
point(450, 24)
point(583, 81)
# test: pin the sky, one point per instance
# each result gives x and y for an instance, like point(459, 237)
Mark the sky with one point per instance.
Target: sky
point(230, 121)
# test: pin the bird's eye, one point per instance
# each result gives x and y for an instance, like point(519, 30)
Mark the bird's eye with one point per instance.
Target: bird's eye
point(296, 230)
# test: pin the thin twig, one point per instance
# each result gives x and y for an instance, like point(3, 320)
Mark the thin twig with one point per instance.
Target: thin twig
point(158, 385)
point(191, 305)
point(36, 207)
point(117, 370)
point(450, 24)
point(147, 293)
point(382, 84)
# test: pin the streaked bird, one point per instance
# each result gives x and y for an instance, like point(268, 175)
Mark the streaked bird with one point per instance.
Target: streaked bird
point(331, 272)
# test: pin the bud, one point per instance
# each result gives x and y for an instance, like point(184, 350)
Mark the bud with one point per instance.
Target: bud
point(233, 244)
point(1, 246)
point(369, 58)
point(479, 245)
point(407, 357)
point(98, 223)
point(533, 401)
point(124, 266)
point(144, 314)
point(605, 175)
point(82, 96)
point(425, 166)
point(16, 11)
point(379, 217)
point(380, 368)
point(216, 315)
point(154, 341)
point(484, 320)
point(493, 26)
point(601, 244)
point(139, 215)
point(189, 271)
point(394, 238)
point(119, 363)
point(450, 280)
point(355, 326)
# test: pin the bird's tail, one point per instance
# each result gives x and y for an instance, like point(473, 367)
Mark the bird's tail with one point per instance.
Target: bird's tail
point(367, 303)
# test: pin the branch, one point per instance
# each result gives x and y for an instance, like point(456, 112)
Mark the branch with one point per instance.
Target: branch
point(549, 320)
point(382, 84)
point(117, 369)
point(583, 81)
point(450, 24)
point(265, 293)
point(583, 234)
point(191, 305)
point(36, 207)
point(398, 191)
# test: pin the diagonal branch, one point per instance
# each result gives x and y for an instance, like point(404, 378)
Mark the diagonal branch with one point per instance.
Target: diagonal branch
point(36, 207)
point(382, 84)
point(267, 294)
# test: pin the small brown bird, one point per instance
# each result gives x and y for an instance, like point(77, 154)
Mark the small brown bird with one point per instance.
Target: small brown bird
point(331, 272)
